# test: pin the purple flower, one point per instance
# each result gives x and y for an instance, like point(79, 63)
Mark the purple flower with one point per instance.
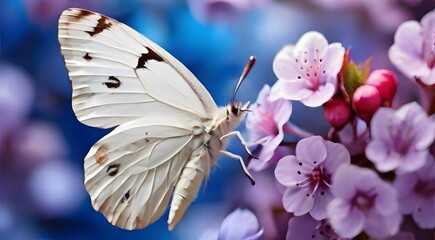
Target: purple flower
point(306, 227)
point(307, 72)
point(400, 138)
point(265, 125)
point(412, 52)
point(307, 175)
point(416, 192)
point(363, 202)
point(240, 224)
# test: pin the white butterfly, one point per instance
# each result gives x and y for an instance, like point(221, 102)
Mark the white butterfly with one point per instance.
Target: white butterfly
point(169, 131)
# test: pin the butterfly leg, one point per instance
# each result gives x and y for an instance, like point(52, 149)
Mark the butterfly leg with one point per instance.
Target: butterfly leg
point(242, 140)
point(242, 164)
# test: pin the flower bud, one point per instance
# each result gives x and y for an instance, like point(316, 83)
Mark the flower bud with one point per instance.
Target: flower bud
point(385, 82)
point(337, 112)
point(366, 100)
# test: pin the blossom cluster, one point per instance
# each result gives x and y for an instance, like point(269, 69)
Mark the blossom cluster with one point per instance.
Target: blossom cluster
point(375, 166)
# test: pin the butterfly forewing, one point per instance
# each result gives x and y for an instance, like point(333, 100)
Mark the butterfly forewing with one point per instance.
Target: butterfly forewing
point(108, 59)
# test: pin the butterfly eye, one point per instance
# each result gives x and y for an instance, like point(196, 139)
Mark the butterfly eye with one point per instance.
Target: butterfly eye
point(234, 110)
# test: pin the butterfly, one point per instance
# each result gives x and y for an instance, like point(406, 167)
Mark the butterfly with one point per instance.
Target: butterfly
point(168, 131)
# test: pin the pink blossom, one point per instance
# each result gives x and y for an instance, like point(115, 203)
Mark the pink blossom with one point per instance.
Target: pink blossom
point(363, 202)
point(265, 125)
point(400, 138)
point(416, 192)
point(307, 175)
point(412, 52)
point(307, 72)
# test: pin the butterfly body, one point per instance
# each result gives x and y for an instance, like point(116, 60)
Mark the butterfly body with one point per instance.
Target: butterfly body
point(168, 130)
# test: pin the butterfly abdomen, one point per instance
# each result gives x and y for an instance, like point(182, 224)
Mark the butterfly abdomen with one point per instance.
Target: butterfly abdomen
point(188, 184)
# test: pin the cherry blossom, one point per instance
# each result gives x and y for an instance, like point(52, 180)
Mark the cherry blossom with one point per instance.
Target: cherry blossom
point(307, 71)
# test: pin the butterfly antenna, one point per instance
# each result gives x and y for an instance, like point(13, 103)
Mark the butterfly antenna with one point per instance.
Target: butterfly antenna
point(243, 76)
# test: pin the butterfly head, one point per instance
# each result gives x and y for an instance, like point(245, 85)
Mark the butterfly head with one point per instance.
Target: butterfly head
point(235, 111)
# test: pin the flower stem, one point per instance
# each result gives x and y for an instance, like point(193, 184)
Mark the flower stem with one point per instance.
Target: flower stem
point(291, 129)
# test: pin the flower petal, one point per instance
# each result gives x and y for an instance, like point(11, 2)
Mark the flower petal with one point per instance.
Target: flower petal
point(311, 151)
point(378, 226)
point(347, 221)
point(320, 96)
point(296, 201)
point(424, 214)
point(319, 209)
point(232, 229)
point(309, 42)
point(333, 59)
point(285, 66)
point(337, 155)
point(291, 90)
point(286, 171)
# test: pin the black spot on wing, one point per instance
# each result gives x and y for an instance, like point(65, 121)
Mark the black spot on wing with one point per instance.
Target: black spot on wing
point(145, 57)
point(114, 82)
point(113, 169)
point(126, 196)
point(87, 57)
point(103, 23)
point(83, 13)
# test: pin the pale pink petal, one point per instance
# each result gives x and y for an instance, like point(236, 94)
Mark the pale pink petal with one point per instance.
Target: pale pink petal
point(386, 203)
point(379, 154)
point(344, 182)
point(424, 214)
point(291, 90)
point(282, 111)
point(412, 161)
point(406, 53)
point(285, 66)
point(378, 226)
point(337, 155)
point(311, 41)
point(296, 201)
point(347, 221)
point(319, 209)
point(333, 59)
point(311, 151)
point(286, 171)
point(380, 124)
point(320, 96)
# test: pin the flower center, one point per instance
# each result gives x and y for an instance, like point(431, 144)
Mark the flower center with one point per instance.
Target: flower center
point(309, 64)
point(402, 137)
point(265, 122)
point(363, 201)
point(317, 179)
point(425, 189)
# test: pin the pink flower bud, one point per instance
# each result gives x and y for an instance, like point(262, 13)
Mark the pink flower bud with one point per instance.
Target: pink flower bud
point(385, 82)
point(366, 100)
point(337, 112)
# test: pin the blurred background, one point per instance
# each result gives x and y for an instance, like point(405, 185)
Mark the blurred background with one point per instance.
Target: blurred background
point(42, 145)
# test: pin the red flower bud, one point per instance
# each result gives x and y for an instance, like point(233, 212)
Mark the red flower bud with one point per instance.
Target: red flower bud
point(366, 100)
point(385, 82)
point(337, 112)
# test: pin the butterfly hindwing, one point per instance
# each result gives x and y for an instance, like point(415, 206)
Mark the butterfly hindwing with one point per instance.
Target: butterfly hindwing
point(131, 172)
point(119, 75)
